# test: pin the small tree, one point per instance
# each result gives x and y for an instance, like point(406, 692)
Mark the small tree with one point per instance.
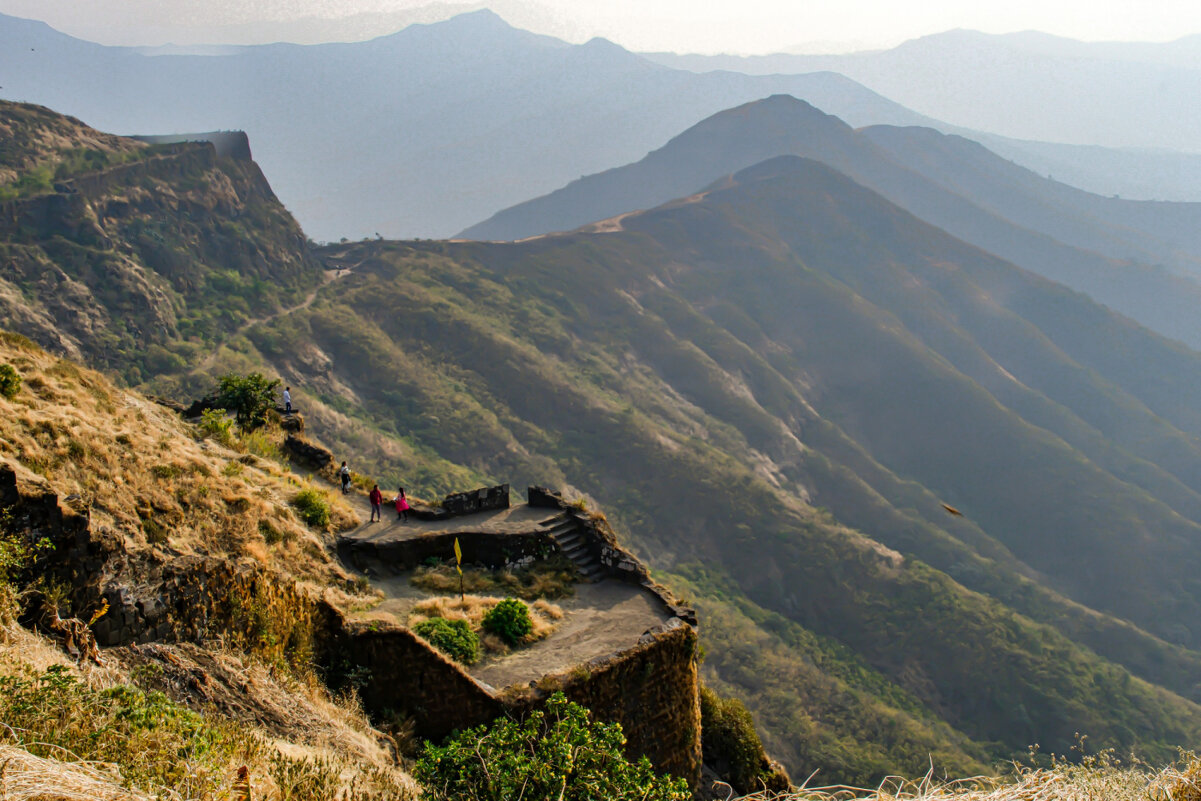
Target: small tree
point(249, 397)
point(555, 754)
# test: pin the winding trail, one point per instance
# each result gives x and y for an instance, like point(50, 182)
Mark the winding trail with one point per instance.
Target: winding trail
point(328, 277)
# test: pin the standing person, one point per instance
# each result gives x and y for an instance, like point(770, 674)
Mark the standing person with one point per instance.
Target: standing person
point(402, 505)
point(287, 400)
point(345, 473)
point(377, 498)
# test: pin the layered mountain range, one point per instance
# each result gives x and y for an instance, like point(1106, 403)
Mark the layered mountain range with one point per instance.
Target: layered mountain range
point(429, 130)
point(1142, 258)
point(775, 385)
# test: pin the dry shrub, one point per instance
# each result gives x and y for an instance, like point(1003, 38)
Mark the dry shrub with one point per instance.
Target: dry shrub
point(472, 608)
point(1185, 784)
point(25, 777)
point(1095, 778)
point(551, 578)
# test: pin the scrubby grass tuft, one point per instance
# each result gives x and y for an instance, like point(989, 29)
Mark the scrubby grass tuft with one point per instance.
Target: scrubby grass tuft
point(553, 578)
point(10, 381)
point(313, 506)
point(473, 609)
point(1094, 778)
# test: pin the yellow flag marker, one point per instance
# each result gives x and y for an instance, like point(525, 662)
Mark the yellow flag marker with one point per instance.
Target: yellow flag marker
point(459, 567)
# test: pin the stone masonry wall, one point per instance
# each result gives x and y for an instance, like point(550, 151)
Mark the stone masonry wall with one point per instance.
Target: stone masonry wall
point(653, 691)
point(486, 550)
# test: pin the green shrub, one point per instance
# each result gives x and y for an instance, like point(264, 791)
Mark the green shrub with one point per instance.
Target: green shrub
point(509, 620)
point(732, 746)
point(556, 753)
point(452, 637)
point(249, 397)
point(313, 507)
point(10, 381)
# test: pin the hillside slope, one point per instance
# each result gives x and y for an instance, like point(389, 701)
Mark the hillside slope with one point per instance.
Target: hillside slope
point(164, 718)
point(714, 369)
point(137, 258)
point(773, 388)
point(1089, 243)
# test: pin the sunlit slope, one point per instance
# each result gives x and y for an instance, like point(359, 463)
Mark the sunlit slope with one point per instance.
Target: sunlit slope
point(1113, 250)
point(718, 368)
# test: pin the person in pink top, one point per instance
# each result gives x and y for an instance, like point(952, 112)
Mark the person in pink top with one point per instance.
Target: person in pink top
point(377, 498)
point(402, 505)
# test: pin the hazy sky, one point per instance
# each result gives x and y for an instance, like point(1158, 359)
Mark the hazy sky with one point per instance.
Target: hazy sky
point(743, 26)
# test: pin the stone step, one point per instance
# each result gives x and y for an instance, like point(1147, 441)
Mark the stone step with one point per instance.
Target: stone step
point(565, 527)
point(577, 552)
point(569, 539)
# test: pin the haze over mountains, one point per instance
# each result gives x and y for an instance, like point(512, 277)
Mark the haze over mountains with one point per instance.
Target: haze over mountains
point(1024, 85)
point(416, 134)
point(427, 131)
point(1101, 246)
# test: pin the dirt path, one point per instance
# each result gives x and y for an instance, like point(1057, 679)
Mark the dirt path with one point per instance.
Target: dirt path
point(327, 277)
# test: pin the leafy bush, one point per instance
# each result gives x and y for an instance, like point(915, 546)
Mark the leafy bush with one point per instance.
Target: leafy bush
point(313, 507)
point(509, 620)
point(452, 637)
point(10, 381)
point(732, 746)
point(249, 397)
point(556, 753)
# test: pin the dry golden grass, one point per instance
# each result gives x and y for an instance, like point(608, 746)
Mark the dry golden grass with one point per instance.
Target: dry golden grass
point(143, 472)
point(311, 735)
point(472, 608)
point(553, 578)
point(25, 777)
point(1094, 779)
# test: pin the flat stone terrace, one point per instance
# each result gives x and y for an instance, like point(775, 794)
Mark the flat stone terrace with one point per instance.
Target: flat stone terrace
point(518, 519)
point(602, 618)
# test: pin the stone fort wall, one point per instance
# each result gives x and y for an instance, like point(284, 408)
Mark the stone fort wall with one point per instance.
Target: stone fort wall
point(652, 689)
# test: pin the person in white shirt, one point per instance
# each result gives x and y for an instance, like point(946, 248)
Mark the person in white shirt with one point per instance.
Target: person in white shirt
point(288, 400)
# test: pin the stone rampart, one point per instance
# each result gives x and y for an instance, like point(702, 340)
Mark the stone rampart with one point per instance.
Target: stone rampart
point(481, 549)
point(486, 499)
point(652, 689)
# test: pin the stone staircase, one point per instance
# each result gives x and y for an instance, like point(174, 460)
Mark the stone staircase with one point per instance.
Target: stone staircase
point(565, 531)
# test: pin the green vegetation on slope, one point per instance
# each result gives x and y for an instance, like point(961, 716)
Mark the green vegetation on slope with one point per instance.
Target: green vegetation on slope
point(739, 380)
point(140, 266)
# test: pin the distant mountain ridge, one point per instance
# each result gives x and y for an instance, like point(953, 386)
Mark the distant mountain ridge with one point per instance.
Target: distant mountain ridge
point(1028, 86)
point(419, 133)
point(429, 130)
point(1072, 237)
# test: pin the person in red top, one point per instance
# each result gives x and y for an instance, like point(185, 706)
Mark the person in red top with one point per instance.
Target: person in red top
point(377, 498)
point(402, 505)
